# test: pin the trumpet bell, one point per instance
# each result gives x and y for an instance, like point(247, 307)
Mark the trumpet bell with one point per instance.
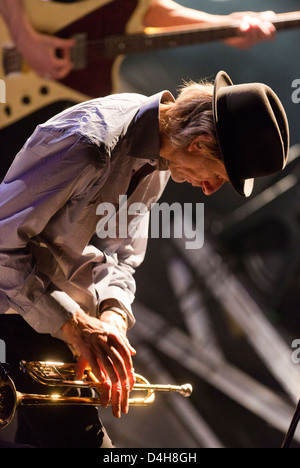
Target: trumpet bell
point(8, 399)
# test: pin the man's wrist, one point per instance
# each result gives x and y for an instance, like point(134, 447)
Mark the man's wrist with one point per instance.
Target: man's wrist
point(114, 306)
point(116, 311)
point(114, 319)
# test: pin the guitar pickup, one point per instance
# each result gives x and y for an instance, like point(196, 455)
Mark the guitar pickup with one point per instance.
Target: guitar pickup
point(79, 52)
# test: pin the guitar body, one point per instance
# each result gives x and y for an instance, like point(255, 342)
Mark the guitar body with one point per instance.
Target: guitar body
point(27, 93)
point(99, 77)
point(104, 31)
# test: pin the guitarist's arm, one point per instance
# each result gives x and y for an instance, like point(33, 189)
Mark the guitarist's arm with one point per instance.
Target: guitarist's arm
point(39, 50)
point(255, 27)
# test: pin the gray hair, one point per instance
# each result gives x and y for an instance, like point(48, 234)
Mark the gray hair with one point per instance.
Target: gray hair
point(192, 116)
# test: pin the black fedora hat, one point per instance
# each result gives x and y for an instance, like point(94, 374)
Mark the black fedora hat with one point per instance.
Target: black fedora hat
point(252, 131)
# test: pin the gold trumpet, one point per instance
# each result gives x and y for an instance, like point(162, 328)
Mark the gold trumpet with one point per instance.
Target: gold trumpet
point(57, 374)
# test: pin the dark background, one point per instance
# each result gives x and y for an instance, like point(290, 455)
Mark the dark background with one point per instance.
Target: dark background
point(259, 244)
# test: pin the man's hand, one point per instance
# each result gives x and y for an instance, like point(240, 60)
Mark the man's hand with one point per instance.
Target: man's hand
point(102, 344)
point(255, 28)
point(39, 50)
point(41, 53)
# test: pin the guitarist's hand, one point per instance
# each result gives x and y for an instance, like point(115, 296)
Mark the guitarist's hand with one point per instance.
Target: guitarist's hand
point(255, 28)
point(38, 50)
point(48, 56)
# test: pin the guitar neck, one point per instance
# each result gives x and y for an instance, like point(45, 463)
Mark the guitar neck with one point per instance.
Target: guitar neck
point(286, 21)
point(166, 38)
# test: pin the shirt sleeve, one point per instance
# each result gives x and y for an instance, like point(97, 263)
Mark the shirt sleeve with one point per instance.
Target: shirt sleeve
point(45, 175)
point(114, 279)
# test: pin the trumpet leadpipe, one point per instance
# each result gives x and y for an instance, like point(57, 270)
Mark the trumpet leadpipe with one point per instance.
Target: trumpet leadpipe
point(185, 390)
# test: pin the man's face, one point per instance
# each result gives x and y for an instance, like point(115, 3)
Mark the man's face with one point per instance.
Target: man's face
point(194, 167)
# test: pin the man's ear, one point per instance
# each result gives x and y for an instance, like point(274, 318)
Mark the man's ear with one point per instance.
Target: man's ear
point(195, 145)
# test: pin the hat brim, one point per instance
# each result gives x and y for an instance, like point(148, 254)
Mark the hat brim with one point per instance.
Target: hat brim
point(242, 187)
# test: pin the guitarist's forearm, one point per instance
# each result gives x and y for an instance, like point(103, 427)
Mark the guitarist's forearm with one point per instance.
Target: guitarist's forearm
point(14, 15)
point(164, 13)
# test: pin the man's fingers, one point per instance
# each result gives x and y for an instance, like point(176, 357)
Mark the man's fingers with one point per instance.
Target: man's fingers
point(106, 388)
point(125, 397)
point(257, 29)
point(121, 344)
point(97, 375)
point(117, 381)
point(116, 398)
point(113, 366)
point(80, 367)
point(131, 378)
point(116, 393)
point(254, 28)
point(120, 398)
point(268, 15)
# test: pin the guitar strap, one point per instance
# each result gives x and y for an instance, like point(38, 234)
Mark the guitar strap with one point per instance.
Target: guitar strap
point(292, 429)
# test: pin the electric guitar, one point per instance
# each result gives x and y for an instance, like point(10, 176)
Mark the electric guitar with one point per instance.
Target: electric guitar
point(105, 31)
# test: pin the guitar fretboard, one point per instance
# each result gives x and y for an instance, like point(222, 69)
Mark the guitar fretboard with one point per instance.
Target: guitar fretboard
point(12, 60)
point(164, 38)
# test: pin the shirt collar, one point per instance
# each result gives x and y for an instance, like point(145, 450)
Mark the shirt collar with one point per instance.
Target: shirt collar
point(143, 132)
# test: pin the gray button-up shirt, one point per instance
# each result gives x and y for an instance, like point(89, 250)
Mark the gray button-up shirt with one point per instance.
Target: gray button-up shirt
point(51, 260)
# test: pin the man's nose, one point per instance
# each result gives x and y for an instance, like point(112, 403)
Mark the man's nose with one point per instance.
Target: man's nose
point(210, 187)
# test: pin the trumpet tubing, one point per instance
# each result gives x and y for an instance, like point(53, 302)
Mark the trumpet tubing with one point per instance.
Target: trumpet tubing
point(55, 374)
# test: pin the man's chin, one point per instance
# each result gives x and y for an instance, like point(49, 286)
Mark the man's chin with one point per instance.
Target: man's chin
point(177, 178)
